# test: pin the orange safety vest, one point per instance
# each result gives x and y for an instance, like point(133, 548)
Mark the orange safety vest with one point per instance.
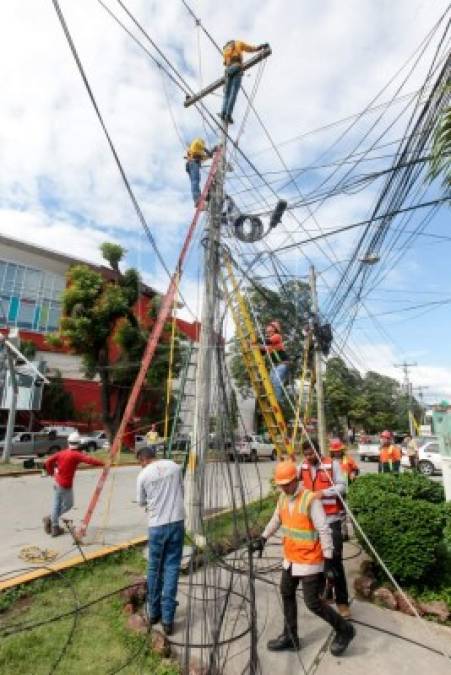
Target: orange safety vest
point(301, 542)
point(348, 465)
point(323, 481)
point(390, 454)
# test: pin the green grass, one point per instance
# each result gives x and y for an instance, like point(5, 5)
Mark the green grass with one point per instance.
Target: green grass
point(100, 642)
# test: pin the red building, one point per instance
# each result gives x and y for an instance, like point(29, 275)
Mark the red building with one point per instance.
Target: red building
point(32, 280)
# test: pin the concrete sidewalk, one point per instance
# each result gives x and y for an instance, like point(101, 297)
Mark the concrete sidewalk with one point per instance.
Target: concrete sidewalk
point(206, 606)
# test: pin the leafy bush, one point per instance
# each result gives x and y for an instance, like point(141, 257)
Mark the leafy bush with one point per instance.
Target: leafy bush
point(404, 520)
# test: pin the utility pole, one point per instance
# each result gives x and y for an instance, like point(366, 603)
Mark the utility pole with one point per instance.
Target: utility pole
point(207, 343)
point(195, 475)
point(12, 409)
point(407, 386)
point(420, 389)
point(322, 436)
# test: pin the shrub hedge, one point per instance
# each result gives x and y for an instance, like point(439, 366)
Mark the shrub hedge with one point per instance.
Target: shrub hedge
point(404, 517)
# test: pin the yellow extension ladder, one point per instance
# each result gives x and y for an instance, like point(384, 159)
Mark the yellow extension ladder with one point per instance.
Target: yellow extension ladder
point(255, 363)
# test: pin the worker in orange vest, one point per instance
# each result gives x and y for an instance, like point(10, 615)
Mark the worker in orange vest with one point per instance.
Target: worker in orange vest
point(323, 476)
point(233, 61)
point(307, 553)
point(348, 465)
point(389, 454)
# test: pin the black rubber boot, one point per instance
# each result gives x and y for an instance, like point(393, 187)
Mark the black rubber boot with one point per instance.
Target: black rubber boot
point(342, 640)
point(284, 643)
point(168, 628)
point(47, 522)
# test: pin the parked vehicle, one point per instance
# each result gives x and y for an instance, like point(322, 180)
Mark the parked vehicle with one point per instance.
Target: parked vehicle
point(17, 429)
point(429, 458)
point(55, 430)
point(368, 448)
point(31, 443)
point(253, 447)
point(93, 441)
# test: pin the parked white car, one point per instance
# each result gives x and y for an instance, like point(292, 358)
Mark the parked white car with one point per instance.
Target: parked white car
point(93, 440)
point(429, 458)
point(253, 447)
point(368, 449)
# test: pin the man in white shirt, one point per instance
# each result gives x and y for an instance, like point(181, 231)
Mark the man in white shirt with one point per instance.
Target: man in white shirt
point(160, 491)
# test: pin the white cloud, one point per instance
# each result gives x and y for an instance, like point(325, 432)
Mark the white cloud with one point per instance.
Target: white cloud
point(58, 180)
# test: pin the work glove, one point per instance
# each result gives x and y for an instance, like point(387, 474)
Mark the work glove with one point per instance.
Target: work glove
point(257, 545)
point(329, 570)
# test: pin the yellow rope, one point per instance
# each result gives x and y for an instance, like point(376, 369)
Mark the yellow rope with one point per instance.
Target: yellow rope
point(34, 554)
point(100, 533)
point(171, 363)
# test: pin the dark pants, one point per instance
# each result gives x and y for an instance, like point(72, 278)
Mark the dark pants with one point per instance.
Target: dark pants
point(312, 587)
point(340, 585)
point(165, 556)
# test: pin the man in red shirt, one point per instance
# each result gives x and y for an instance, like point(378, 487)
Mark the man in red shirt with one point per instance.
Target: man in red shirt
point(62, 466)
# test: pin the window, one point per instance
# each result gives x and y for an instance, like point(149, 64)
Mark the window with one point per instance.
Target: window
point(30, 298)
point(433, 447)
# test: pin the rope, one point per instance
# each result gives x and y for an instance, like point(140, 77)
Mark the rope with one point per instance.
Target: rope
point(35, 554)
point(171, 362)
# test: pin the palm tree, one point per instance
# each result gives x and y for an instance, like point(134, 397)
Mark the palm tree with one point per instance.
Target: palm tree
point(441, 146)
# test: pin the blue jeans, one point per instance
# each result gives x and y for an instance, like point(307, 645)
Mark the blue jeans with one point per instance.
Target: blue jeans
point(234, 76)
point(278, 376)
point(63, 500)
point(165, 556)
point(193, 171)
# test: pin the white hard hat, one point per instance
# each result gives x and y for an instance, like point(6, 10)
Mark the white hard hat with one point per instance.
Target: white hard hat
point(74, 438)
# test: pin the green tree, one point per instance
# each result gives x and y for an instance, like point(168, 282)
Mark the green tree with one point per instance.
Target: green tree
point(100, 325)
point(440, 164)
point(288, 306)
point(341, 386)
point(57, 403)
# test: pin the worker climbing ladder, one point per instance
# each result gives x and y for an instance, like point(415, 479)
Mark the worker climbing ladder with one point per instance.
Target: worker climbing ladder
point(255, 363)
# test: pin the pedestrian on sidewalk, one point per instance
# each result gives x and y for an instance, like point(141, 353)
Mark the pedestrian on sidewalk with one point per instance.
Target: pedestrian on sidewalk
point(233, 61)
point(389, 454)
point(62, 466)
point(195, 155)
point(307, 553)
point(323, 475)
point(160, 491)
point(412, 451)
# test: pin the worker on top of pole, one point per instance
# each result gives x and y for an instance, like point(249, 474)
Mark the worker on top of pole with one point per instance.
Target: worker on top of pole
point(348, 465)
point(195, 155)
point(307, 557)
point(389, 454)
point(233, 60)
point(274, 346)
point(323, 476)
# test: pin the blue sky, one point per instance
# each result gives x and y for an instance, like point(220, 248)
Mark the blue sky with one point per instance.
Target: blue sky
point(330, 60)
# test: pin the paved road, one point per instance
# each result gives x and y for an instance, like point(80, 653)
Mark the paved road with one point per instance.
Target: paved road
point(371, 467)
point(26, 499)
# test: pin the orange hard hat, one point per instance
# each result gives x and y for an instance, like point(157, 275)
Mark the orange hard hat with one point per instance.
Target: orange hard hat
point(285, 472)
point(335, 445)
point(386, 434)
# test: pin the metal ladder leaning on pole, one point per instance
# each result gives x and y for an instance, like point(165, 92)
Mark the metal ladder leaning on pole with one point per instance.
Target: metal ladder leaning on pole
point(154, 337)
point(255, 363)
